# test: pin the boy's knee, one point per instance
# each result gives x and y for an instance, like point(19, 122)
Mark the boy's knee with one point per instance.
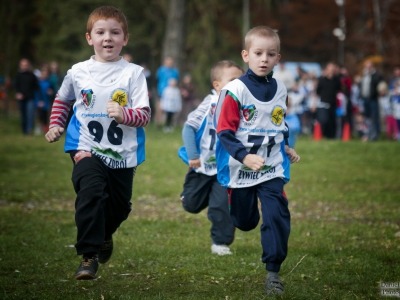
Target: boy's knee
point(191, 207)
point(244, 226)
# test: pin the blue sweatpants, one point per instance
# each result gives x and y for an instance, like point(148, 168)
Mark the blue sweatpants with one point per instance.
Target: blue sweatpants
point(275, 228)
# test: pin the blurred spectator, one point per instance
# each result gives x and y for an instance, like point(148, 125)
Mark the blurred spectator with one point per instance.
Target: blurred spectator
point(341, 113)
point(292, 118)
point(395, 79)
point(188, 97)
point(386, 110)
point(296, 99)
point(361, 127)
point(369, 94)
point(395, 101)
point(149, 81)
point(300, 73)
point(55, 78)
point(171, 103)
point(26, 85)
point(4, 85)
point(164, 74)
point(328, 86)
point(127, 57)
point(346, 81)
point(43, 102)
point(309, 115)
point(285, 76)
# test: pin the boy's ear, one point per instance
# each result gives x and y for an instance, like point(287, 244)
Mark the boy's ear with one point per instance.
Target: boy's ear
point(279, 57)
point(126, 39)
point(89, 39)
point(216, 85)
point(245, 56)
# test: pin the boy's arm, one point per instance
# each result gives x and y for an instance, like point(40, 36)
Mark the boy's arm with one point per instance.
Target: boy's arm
point(60, 110)
point(193, 123)
point(228, 123)
point(189, 140)
point(139, 115)
point(58, 119)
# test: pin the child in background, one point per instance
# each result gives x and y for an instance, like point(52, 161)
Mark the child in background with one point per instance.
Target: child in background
point(293, 122)
point(296, 101)
point(105, 138)
point(171, 103)
point(43, 103)
point(395, 99)
point(386, 110)
point(188, 97)
point(253, 158)
point(341, 112)
point(201, 187)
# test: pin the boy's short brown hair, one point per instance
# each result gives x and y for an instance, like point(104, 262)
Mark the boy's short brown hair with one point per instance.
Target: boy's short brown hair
point(216, 70)
point(104, 13)
point(261, 31)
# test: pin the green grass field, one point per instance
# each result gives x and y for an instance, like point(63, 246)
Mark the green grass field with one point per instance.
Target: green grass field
point(345, 240)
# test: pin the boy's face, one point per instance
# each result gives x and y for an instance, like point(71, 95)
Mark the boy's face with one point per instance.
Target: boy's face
point(262, 56)
point(107, 39)
point(228, 74)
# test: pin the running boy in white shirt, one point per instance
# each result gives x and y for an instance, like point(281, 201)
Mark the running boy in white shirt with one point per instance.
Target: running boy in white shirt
point(105, 137)
point(253, 157)
point(201, 188)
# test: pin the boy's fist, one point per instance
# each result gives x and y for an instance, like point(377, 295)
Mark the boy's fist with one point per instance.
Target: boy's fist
point(54, 134)
point(254, 162)
point(194, 163)
point(293, 156)
point(115, 111)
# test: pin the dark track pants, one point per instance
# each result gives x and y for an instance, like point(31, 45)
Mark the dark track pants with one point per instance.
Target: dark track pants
point(102, 202)
point(200, 191)
point(275, 229)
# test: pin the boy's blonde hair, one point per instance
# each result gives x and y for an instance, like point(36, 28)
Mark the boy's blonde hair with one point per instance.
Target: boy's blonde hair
point(104, 13)
point(261, 31)
point(216, 70)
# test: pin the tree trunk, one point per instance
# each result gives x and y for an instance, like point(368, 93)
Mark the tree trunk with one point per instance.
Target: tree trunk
point(174, 35)
point(378, 27)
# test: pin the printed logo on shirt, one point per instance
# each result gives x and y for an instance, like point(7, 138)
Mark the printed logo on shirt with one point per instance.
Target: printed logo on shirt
point(247, 175)
point(212, 108)
point(120, 96)
point(249, 114)
point(211, 164)
point(277, 115)
point(110, 157)
point(88, 98)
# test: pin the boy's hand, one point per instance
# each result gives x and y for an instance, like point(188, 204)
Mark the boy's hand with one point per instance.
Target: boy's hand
point(293, 156)
point(254, 162)
point(194, 163)
point(115, 111)
point(54, 133)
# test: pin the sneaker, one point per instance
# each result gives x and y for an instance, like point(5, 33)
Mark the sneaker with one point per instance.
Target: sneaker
point(273, 286)
point(220, 249)
point(87, 269)
point(105, 251)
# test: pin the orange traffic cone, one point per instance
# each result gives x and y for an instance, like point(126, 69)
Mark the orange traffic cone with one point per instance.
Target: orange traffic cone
point(317, 136)
point(346, 132)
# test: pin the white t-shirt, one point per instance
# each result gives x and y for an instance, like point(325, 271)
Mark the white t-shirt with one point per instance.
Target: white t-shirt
point(93, 84)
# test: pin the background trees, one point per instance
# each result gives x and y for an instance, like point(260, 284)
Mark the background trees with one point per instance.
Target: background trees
point(209, 31)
